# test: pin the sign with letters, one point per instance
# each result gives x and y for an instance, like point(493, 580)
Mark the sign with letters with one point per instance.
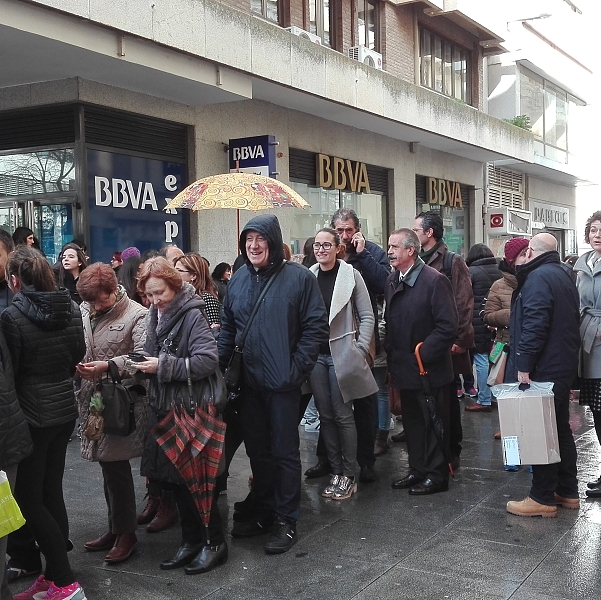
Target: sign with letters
point(342, 174)
point(253, 155)
point(443, 192)
point(127, 197)
point(555, 217)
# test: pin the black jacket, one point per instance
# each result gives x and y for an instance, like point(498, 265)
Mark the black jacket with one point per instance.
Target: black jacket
point(545, 322)
point(284, 338)
point(484, 273)
point(420, 309)
point(6, 295)
point(44, 334)
point(15, 441)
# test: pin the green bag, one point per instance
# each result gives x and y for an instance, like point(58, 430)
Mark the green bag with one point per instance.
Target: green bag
point(11, 518)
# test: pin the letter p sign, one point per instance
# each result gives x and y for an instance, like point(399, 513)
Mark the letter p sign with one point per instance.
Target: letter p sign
point(171, 231)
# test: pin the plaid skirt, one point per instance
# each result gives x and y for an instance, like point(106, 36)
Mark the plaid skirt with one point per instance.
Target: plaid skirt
point(590, 393)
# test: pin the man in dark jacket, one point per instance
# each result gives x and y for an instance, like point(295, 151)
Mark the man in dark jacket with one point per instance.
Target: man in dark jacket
point(372, 262)
point(544, 346)
point(279, 353)
point(6, 247)
point(420, 308)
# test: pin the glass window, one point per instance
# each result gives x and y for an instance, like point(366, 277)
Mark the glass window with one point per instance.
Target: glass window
point(266, 8)
point(456, 225)
point(531, 102)
point(425, 59)
point(367, 25)
point(319, 20)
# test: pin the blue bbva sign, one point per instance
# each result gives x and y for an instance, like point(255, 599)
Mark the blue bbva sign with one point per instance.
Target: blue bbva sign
point(253, 155)
point(127, 197)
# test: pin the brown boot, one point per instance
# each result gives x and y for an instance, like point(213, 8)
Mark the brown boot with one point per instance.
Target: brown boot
point(150, 510)
point(125, 545)
point(166, 513)
point(381, 446)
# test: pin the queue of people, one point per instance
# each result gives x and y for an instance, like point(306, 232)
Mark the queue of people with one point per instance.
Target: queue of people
point(418, 304)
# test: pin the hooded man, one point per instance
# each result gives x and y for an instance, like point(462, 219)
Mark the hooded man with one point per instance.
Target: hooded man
point(279, 353)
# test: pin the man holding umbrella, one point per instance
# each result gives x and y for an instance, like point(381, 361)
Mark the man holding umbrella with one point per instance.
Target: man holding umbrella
point(420, 307)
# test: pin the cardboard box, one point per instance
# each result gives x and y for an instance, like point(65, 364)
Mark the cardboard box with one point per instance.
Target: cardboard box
point(528, 428)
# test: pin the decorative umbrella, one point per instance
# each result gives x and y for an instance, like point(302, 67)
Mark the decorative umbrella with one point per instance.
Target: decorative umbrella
point(428, 405)
point(237, 190)
point(196, 459)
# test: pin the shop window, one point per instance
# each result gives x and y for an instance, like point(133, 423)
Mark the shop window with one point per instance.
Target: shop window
point(320, 21)
point(367, 24)
point(266, 8)
point(444, 67)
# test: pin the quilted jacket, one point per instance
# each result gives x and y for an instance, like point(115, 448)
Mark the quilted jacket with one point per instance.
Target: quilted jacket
point(498, 303)
point(116, 333)
point(44, 334)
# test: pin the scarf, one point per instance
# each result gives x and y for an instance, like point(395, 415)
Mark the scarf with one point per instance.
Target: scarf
point(427, 255)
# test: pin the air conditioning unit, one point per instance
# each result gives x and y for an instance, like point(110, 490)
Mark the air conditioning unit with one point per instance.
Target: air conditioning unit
point(509, 221)
point(366, 56)
point(304, 34)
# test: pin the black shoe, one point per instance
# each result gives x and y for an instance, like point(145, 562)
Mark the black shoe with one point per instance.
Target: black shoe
point(594, 492)
point(185, 554)
point(283, 537)
point(13, 572)
point(406, 482)
point(367, 474)
point(427, 486)
point(244, 529)
point(455, 463)
point(321, 469)
point(591, 485)
point(208, 558)
point(399, 437)
point(248, 505)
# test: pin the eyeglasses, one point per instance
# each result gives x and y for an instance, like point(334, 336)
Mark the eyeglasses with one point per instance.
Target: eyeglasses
point(325, 246)
point(416, 229)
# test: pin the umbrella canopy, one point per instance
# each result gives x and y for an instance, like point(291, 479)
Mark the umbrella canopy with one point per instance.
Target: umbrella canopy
point(237, 190)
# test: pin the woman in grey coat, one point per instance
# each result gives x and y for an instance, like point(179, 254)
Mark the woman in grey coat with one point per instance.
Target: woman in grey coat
point(588, 268)
point(341, 373)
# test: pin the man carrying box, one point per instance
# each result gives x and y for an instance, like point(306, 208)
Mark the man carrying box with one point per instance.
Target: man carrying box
point(544, 346)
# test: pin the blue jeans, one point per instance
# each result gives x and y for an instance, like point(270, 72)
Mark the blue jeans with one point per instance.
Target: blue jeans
point(484, 393)
point(383, 398)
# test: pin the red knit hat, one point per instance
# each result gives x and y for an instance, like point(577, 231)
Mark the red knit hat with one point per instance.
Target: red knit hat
point(513, 248)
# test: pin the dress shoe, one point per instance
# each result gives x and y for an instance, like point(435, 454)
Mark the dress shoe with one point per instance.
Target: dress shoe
point(475, 407)
point(573, 503)
point(321, 469)
point(367, 474)
point(208, 558)
point(166, 514)
point(427, 487)
point(150, 510)
point(105, 542)
point(594, 492)
point(594, 484)
point(530, 508)
point(399, 437)
point(406, 482)
point(185, 554)
point(125, 545)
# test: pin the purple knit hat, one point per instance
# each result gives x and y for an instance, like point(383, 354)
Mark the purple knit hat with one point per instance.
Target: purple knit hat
point(129, 252)
point(513, 248)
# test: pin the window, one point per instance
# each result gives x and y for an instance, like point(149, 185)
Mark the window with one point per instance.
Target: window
point(265, 8)
point(444, 67)
point(320, 20)
point(367, 24)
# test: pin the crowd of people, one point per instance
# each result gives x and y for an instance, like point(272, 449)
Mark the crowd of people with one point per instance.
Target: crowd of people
point(342, 323)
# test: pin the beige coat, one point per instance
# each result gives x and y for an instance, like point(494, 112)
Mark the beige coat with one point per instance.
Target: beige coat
point(351, 323)
point(498, 305)
point(118, 332)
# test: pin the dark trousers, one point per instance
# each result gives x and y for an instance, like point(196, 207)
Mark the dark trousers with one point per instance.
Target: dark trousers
point(559, 477)
point(597, 421)
point(39, 493)
point(426, 456)
point(23, 551)
point(120, 496)
point(193, 530)
point(270, 421)
point(455, 427)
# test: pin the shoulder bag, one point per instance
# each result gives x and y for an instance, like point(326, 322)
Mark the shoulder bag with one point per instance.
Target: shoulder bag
point(118, 403)
point(233, 372)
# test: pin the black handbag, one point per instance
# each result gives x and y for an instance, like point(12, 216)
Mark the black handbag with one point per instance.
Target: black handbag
point(233, 372)
point(119, 400)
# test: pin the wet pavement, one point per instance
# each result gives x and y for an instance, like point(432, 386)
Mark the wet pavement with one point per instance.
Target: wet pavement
point(382, 543)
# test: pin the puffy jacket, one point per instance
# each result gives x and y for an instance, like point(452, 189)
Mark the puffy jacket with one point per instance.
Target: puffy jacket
point(484, 273)
point(284, 338)
point(589, 289)
point(44, 334)
point(116, 333)
point(498, 303)
point(544, 323)
point(15, 441)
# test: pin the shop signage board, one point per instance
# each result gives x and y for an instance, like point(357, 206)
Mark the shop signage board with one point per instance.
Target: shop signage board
point(127, 197)
point(555, 217)
point(253, 155)
point(342, 174)
point(509, 221)
point(443, 192)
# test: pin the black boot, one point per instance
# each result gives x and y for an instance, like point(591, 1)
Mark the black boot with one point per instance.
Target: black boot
point(185, 554)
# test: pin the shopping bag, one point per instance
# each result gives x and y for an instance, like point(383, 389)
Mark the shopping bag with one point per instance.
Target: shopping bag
point(496, 374)
point(11, 518)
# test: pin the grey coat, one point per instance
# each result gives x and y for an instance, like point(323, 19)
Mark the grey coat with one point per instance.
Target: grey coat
point(589, 289)
point(120, 331)
point(351, 323)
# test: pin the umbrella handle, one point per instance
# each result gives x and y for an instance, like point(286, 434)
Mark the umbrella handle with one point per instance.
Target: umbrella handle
point(420, 364)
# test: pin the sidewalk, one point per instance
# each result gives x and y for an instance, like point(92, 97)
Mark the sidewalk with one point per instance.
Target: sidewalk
point(382, 543)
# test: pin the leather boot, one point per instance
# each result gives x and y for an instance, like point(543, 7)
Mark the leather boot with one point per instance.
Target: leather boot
point(208, 558)
point(105, 542)
point(125, 545)
point(150, 510)
point(381, 446)
point(166, 513)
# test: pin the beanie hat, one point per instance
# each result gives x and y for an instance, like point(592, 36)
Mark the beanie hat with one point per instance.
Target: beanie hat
point(513, 248)
point(129, 252)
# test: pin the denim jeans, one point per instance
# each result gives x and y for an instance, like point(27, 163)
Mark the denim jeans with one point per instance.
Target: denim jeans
point(484, 393)
point(383, 398)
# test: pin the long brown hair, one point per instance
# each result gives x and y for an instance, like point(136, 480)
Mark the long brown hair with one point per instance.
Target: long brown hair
point(197, 265)
point(161, 269)
point(31, 268)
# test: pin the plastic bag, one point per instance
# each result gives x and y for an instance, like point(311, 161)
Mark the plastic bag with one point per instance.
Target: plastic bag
point(512, 389)
point(11, 518)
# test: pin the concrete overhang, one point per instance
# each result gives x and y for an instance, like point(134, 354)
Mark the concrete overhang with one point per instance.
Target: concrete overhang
point(547, 170)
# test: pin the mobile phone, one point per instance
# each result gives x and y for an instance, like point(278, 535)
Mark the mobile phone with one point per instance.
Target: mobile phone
point(135, 357)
